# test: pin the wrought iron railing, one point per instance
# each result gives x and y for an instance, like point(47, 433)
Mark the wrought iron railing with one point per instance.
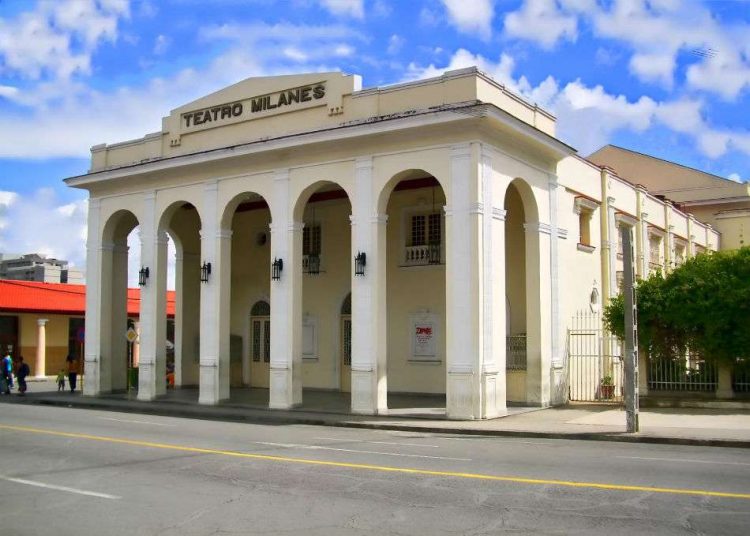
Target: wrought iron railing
point(741, 377)
point(515, 352)
point(682, 374)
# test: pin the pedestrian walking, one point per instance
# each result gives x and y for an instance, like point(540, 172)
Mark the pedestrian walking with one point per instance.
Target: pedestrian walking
point(7, 373)
point(21, 372)
point(61, 380)
point(73, 371)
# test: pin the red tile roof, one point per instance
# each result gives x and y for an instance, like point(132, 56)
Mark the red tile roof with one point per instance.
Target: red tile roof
point(59, 298)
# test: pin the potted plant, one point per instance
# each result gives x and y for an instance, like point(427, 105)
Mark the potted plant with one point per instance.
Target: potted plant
point(607, 387)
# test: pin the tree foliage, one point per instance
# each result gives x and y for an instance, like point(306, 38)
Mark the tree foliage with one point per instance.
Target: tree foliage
point(704, 305)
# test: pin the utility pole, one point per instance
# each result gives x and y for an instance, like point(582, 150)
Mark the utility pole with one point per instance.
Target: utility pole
point(631, 334)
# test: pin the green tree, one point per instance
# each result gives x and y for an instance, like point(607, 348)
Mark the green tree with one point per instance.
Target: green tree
point(704, 305)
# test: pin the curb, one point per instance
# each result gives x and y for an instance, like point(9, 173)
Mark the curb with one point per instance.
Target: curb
point(271, 417)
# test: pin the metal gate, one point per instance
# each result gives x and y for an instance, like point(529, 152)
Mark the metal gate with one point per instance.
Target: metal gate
point(595, 366)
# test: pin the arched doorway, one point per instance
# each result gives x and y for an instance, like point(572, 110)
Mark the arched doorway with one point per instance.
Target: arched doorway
point(119, 266)
point(415, 287)
point(523, 333)
point(260, 344)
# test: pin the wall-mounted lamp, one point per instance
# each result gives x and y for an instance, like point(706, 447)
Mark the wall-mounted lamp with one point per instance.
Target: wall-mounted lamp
point(276, 268)
point(360, 260)
point(205, 272)
point(142, 276)
point(313, 264)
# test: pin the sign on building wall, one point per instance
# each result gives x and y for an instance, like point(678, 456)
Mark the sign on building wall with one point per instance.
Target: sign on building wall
point(425, 334)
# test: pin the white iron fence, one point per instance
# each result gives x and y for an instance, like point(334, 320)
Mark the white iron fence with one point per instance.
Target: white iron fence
point(595, 367)
point(683, 373)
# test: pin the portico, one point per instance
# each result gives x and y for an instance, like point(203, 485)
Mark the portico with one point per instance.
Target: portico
point(370, 241)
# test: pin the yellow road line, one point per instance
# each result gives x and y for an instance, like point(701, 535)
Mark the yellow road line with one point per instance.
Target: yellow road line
point(382, 468)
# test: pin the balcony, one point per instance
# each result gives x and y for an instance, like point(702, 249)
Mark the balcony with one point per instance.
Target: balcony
point(422, 255)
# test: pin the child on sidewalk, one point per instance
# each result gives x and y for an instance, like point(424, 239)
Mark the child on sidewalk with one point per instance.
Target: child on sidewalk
point(61, 380)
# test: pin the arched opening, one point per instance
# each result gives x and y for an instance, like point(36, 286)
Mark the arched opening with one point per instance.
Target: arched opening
point(326, 256)
point(182, 222)
point(521, 264)
point(248, 216)
point(415, 289)
point(120, 264)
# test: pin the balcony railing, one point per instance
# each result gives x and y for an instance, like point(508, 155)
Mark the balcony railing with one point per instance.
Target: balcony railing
point(422, 255)
point(515, 352)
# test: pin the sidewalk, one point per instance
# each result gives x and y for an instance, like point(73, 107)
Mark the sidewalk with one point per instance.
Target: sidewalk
point(707, 427)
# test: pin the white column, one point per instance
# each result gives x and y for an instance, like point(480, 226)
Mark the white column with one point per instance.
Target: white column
point(41, 347)
point(473, 303)
point(215, 305)
point(613, 239)
point(137, 345)
point(369, 335)
point(538, 314)
point(646, 243)
point(286, 301)
point(95, 322)
point(559, 395)
point(153, 313)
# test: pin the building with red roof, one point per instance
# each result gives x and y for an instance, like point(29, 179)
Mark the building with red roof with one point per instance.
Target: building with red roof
point(55, 312)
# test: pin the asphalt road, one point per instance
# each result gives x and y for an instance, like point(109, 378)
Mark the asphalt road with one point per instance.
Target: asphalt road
point(79, 472)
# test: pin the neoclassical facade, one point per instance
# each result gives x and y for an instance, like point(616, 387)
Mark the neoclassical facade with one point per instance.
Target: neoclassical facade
point(427, 237)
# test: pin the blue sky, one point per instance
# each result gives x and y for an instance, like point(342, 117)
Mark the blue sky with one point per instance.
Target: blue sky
point(666, 77)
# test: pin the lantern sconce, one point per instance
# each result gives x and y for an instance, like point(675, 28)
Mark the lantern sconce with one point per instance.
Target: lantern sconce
point(360, 260)
point(205, 272)
point(277, 266)
point(142, 276)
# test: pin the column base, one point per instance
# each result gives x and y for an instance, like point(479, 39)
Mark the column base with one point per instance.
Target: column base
point(92, 385)
point(146, 383)
point(208, 390)
point(282, 393)
point(465, 402)
point(367, 399)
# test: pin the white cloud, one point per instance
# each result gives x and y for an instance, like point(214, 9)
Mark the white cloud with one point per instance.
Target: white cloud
point(587, 117)
point(474, 17)
point(542, 21)
point(58, 38)
point(655, 31)
point(345, 8)
point(394, 44)
point(65, 118)
point(735, 177)
point(38, 223)
point(161, 44)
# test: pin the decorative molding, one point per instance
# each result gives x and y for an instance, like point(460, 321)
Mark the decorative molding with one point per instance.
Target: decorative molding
point(625, 219)
point(379, 219)
point(150, 195)
point(476, 208)
point(538, 227)
point(211, 186)
point(584, 203)
point(461, 151)
point(224, 234)
point(499, 214)
point(296, 227)
point(281, 175)
point(562, 233)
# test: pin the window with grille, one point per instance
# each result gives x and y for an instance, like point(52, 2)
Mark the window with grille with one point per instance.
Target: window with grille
point(348, 342)
point(433, 228)
point(267, 341)
point(311, 240)
point(417, 230)
point(256, 340)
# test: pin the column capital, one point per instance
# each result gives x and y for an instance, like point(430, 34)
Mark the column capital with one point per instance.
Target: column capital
point(461, 151)
point(281, 175)
point(363, 162)
point(41, 322)
point(499, 213)
point(224, 234)
point(538, 227)
point(94, 203)
point(296, 227)
point(150, 195)
point(379, 219)
point(211, 186)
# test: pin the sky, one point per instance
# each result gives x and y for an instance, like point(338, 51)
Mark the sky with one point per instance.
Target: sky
point(669, 78)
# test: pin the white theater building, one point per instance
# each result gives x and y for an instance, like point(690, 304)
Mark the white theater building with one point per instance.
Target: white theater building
point(427, 237)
